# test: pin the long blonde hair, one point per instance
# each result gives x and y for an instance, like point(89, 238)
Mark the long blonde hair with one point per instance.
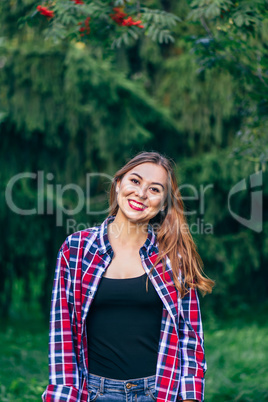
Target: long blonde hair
point(173, 235)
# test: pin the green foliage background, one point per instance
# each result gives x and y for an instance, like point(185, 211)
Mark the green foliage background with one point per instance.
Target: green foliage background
point(78, 106)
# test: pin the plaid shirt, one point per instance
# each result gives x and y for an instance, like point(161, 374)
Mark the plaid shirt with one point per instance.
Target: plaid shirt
point(81, 262)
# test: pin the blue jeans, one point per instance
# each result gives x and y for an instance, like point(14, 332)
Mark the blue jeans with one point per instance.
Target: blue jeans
point(103, 389)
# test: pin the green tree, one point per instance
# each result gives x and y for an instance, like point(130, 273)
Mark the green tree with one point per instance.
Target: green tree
point(234, 40)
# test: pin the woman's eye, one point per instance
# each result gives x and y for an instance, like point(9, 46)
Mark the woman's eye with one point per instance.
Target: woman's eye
point(135, 181)
point(156, 190)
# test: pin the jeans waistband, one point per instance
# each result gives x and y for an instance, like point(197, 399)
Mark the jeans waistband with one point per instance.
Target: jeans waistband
point(137, 384)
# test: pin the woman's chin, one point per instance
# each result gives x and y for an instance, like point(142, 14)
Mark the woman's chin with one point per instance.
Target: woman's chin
point(137, 217)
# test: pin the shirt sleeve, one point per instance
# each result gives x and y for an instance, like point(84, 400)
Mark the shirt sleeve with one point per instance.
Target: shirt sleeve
point(193, 364)
point(63, 368)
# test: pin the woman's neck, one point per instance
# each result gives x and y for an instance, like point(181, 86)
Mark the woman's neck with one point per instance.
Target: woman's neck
point(126, 232)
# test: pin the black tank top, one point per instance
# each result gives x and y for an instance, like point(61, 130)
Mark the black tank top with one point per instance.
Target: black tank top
point(123, 328)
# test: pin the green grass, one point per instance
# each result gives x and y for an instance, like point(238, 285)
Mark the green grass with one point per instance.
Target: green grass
point(237, 364)
point(23, 363)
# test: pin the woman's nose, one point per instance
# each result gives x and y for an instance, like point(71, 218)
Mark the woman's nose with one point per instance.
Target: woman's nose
point(142, 192)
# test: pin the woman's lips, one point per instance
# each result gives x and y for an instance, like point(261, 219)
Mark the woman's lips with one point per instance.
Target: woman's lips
point(136, 205)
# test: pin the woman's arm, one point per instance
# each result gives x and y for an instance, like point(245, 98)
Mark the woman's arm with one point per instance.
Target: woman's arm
point(193, 364)
point(63, 371)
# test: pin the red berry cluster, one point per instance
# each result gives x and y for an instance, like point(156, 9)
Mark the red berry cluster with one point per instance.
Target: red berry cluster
point(45, 11)
point(119, 18)
point(49, 13)
point(85, 28)
point(78, 1)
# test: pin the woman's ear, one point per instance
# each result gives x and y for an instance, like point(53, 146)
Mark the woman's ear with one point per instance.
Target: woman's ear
point(117, 185)
point(164, 206)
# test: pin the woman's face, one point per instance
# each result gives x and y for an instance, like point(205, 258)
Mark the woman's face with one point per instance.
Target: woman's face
point(142, 191)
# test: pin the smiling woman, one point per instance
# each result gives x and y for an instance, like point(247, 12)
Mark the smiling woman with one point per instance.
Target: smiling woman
point(125, 320)
point(141, 191)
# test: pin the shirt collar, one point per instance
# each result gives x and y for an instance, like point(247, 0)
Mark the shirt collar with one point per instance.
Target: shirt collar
point(149, 246)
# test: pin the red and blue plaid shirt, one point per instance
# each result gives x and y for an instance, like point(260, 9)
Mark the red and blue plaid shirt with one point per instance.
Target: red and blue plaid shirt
point(81, 262)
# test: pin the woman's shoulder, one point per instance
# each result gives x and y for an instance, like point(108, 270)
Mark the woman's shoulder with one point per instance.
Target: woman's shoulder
point(81, 239)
